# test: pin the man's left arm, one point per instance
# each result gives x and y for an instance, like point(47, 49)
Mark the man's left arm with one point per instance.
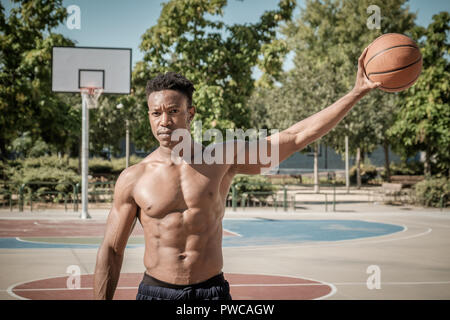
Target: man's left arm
point(312, 128)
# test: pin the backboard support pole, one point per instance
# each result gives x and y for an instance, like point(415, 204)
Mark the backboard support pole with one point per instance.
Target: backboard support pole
point(84, 156)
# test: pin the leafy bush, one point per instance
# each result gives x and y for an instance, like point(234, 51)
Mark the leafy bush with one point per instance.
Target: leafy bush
point(115, 166)
point(24, 146)
point(368, 172)
point(430, 192)
point(53, 179)
point(411, 168)
point(248, 184)
point(118, 164)
point(55, 174)
point(98, 166)
point(42, 162)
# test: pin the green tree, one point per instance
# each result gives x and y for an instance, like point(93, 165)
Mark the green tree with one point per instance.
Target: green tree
point(108, 122)
point(26, 101)
point(424, 119)
point(217, 57)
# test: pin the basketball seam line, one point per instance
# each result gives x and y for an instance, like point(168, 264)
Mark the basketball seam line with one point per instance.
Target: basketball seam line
point(398, 69)
point(403, 85)
point(384, 50)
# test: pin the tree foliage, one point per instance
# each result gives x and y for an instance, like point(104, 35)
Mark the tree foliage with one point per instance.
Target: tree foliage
point(424, 119)
point(190, 38)
point(26, 101)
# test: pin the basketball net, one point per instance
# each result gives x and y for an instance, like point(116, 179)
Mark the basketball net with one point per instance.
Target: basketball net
point(91, 96)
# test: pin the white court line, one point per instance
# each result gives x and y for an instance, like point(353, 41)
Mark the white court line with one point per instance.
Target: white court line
point(395, 283)
point(318, 283)
point(232, 232)
point(268, 285)
point(55, 243)
point(11, 287)
point(331, 293)
point(231, 285)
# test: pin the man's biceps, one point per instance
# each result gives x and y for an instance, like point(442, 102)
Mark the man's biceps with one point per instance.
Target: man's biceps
point(123, 203)
point(120, 217)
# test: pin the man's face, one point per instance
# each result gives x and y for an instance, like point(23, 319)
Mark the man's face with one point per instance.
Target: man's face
point(168, 110)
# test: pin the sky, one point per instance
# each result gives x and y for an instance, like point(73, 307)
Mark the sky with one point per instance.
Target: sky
point(121, 23)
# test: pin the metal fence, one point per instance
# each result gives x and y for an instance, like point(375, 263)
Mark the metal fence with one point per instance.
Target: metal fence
point(294, 196)
point(284, 197)
point(44, 193)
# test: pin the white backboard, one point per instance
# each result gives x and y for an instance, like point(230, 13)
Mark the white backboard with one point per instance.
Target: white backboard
point(74, 68)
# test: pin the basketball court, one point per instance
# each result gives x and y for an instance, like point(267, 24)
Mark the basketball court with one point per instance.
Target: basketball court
point(361, 251)
point(268, 255)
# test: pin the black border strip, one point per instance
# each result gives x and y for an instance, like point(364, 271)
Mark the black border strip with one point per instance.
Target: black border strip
point(82, 47)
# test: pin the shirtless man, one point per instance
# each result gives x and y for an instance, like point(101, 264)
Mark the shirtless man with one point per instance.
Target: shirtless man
point(181, 205)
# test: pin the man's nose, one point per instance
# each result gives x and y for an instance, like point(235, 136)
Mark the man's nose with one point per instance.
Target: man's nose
point(165, 119)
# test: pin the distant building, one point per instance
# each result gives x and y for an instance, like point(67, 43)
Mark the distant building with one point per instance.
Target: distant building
point(329, 160)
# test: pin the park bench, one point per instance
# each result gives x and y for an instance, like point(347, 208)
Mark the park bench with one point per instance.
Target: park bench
point(284, 177)
point(396, 188)
point(390, 190)
point(406, 180)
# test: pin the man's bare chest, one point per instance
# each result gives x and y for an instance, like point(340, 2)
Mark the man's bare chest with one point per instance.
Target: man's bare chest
point(166, 189)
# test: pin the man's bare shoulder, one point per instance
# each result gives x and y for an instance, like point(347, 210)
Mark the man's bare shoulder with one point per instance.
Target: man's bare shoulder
point(131, 175)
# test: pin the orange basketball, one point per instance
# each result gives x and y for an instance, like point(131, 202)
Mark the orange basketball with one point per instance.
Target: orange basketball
point(394, 60)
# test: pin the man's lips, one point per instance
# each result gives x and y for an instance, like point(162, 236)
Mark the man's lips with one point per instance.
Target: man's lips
point(165, 134)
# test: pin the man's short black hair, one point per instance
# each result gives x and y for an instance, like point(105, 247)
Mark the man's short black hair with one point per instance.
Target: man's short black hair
point(171, 81)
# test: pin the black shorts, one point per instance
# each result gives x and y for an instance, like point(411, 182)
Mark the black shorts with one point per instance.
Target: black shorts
point(215, 288)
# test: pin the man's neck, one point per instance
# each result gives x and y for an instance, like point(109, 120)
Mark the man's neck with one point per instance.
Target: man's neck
point(165, 153)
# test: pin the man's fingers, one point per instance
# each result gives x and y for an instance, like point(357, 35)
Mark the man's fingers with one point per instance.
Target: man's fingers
point(374, 85)
point(362, 56)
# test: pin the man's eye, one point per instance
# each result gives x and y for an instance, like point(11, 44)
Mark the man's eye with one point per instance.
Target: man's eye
point(155, 114)
point(174, 111)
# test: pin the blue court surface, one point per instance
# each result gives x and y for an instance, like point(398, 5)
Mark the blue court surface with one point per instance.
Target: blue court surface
point(260, 232)
point(252, 232)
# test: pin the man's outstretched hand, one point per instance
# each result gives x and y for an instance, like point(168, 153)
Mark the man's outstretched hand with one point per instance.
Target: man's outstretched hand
point(362, 84)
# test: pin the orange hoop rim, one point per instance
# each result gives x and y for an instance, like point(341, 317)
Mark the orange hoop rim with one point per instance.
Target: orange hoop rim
point(91, 90)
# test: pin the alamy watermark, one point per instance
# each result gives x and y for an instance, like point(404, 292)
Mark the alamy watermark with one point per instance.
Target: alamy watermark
point(374, 20)
point(74, 279)
point(73, 17)
point(374, 280)
point(259, 149)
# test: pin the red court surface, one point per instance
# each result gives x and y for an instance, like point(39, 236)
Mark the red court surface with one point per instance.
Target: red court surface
point(60, 228)
point(242, 286)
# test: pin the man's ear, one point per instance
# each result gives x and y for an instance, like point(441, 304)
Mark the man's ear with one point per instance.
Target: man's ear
point(191, 111)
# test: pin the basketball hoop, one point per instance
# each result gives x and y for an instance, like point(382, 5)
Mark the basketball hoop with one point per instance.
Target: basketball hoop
point(91, 96)
point(91, 71)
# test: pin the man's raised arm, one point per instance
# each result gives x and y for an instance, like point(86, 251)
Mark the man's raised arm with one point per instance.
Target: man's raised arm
point(119, 226)
point(312, 128)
